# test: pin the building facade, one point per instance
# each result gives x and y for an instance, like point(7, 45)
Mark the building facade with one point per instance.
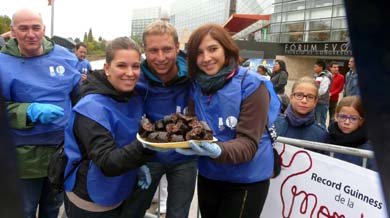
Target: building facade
point(308, 21)
point(141, 18)
point(187, 15)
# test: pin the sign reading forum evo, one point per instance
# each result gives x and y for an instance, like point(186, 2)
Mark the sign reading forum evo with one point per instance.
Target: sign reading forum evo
point(313, 185)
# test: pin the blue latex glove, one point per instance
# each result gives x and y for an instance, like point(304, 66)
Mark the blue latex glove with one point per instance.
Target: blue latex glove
point(144, 177)
point(201, 148)
point(44, 113)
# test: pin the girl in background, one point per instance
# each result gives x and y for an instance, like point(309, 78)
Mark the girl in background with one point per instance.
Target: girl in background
point(349, 130)
point(298, 120)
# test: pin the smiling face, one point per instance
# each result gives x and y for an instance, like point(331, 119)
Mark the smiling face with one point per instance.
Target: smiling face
point(211, 56)
point(28, 29)
point(305, 105)
point(348, 119)
point(124, 70)
point(161, 52)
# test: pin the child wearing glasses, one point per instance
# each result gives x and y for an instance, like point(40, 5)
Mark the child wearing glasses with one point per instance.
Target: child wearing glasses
point(349, 130)
point(298, 120)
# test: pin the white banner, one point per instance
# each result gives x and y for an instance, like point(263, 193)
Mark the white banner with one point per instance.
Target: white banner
point(318, 186)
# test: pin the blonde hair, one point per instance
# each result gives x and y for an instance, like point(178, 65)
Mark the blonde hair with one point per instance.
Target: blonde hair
point(307, 80)
point(351, 101)
point(160, 27)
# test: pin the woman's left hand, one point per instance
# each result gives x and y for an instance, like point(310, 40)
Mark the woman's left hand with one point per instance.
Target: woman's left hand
point(202, 148)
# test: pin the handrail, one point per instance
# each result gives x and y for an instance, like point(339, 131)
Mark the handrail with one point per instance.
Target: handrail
point(326, 147)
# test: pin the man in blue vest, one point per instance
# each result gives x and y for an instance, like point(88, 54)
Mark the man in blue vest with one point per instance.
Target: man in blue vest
point(37, 79)
point(164, 85)
point(83, 65)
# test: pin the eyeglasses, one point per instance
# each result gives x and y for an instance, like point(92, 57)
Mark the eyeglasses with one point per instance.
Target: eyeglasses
point(300, 96)
point(345, 117)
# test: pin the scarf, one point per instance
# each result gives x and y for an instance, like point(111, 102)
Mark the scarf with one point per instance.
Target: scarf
point(353, 139)
point(211, 84)
point(298, 121)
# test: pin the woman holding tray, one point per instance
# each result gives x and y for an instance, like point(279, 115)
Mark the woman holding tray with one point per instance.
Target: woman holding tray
point(238, 105)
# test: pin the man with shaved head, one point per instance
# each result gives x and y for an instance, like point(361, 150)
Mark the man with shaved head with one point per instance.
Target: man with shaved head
point(37, 79)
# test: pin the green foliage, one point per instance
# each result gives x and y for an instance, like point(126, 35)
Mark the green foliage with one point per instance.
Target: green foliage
point(95, 48)
point(5, 22)
point(90, 36)
point(138, 40)
point(85, 37)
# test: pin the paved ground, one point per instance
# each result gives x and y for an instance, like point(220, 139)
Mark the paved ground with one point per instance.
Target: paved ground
point(152, 209)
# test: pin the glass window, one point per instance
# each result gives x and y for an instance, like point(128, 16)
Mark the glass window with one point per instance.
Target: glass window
point(339, 35)
point(275, 28)
point(319, 36)
point(339, 23)
point(293, 27)
point(294, 5)
point(274, 37)
point(319, 25)
point(293, 16)
point(318, 3)
point(291, 37)
point(276, 17)
point(319, 13)
point(338, 10)
point(278, 8)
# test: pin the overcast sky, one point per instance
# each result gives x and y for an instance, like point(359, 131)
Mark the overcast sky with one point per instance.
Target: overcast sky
point(72, 18)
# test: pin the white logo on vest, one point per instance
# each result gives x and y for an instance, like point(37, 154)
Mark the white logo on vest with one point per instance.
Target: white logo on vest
point(59, 70)
point(231, 122)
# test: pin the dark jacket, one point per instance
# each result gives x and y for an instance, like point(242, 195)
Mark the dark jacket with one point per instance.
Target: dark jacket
point(310, 131)
point(279, 80)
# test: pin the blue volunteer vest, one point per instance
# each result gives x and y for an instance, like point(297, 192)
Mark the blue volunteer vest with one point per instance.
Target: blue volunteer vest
point(163, 101)
point(48, 78)
point(83, 66)
point(221, 111)
point(121, 120)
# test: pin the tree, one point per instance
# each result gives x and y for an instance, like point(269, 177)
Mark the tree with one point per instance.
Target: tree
point(85, 37)
point(138, 40)
point(5, 23)
point(90, 36)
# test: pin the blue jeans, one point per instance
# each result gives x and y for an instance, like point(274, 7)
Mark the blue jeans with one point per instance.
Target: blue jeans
point(38, 192)
point(321, 113)
point(181, 179)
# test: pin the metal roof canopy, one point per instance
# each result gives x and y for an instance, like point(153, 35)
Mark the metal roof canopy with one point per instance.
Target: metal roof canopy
point(238, 22)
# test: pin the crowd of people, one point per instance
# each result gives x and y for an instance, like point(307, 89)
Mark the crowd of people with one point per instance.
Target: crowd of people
point(96, 115)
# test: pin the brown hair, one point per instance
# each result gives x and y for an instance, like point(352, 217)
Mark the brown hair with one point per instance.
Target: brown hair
point(351, 101)
point(305, 79)
point(218, 33)
point(119, 44)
